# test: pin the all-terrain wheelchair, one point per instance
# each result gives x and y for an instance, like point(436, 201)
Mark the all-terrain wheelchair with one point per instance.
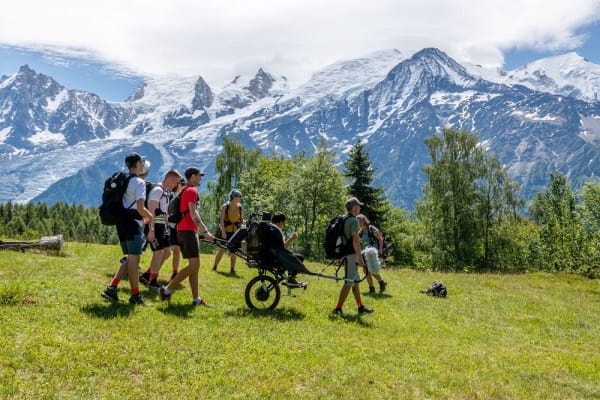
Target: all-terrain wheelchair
point(258, 244)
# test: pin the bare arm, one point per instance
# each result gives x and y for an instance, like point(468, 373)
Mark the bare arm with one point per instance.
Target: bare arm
point(357, 249)
point(196, 218)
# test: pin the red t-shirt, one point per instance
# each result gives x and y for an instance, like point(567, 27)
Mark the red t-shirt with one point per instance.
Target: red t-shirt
point(189, 195)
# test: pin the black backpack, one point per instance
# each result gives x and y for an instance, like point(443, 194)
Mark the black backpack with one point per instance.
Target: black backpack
point(336, 244)
point(437, 289)
point(175, 213)
point(111, 210)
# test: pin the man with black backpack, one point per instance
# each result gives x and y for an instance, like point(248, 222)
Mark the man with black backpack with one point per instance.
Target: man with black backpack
point(353, 258)
point(130, 230)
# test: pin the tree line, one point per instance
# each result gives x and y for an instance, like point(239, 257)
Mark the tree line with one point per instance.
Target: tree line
point(470, 217)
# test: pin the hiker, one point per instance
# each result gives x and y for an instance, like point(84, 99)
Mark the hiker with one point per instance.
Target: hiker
point(158, 234)
point(353, 260)
point(173, 233)
point(230, 220)
point(371, 241)
point(278, 220)
point(143, 175)
point(187, 236)
point(130, 231)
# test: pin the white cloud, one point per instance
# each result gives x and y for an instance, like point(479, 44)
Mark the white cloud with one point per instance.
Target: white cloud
point(221, 39)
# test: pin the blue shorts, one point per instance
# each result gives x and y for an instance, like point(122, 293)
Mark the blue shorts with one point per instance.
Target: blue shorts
point(133, 246)
point(131, 237)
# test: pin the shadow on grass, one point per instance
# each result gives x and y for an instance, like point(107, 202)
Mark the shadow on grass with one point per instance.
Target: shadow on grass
point(377, 295)
point(179, 310)
point(355, 318)
point(108, 310)
point(228, 274)
point(279, 314)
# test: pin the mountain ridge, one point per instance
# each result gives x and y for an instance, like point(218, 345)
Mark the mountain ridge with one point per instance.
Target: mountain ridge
point(401, 101)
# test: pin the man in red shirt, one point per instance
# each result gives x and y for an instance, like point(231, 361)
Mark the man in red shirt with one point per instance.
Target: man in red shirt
point(187, 236)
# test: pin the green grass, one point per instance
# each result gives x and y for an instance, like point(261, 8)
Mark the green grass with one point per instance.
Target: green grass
point(532, 336)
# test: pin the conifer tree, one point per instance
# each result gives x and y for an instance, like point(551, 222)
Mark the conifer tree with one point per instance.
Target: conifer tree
point(359, 169)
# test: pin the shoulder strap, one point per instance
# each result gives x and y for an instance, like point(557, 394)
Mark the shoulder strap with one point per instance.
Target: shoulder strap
point(127, 179)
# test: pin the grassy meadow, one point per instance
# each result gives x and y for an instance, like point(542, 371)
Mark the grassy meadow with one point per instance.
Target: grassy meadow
point(532, 336)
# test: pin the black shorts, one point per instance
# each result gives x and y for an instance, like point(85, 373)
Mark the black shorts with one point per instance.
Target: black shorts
point(162, 237)
point(173, 236)
point(189, 244)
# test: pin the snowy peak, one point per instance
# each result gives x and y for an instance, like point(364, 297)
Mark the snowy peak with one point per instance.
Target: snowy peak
point(245, 90)
point(203, 96)
point(350, 77)
point(38, 113)
point(260, 85)
point(433, 64)
point(568, 75)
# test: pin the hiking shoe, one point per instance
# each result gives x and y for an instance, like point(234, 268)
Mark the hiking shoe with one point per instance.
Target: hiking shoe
point(382, 286)
point(163, 296)
point(364, 310)
point(201, 302)
point(214, 268)
point(371, 289)
point(232, 271)
point(173, 275)
point(138, 299)
point(338, 311)
point(153, 284)
point(145, 278)
point(110, 293)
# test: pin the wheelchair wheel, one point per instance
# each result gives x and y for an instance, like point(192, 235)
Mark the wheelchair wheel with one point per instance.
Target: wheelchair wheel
point(262, 293)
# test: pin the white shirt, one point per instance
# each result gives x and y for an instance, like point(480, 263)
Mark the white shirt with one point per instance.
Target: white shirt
point(136, 189)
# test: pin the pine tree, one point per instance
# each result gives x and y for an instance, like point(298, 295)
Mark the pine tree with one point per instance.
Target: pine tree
point(358, 167)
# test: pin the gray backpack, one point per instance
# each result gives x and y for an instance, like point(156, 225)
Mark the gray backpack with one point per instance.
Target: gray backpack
point(437, 289)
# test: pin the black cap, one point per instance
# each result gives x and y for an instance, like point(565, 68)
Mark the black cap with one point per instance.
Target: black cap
point(132, 159)
point(192, 171)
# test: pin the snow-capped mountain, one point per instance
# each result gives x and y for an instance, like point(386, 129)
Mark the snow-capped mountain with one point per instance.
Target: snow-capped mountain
point(37, 113)
point(391, 101)
point(567, 74)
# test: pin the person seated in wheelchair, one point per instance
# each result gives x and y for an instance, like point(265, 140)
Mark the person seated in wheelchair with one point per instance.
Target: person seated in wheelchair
point(267, 245)
point(282, 243)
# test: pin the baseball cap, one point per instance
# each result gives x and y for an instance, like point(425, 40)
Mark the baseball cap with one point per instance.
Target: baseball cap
point(351, 202)
point(146, 167)
point(193, 171)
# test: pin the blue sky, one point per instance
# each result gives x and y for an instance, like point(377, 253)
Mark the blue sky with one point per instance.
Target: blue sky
point(107, 47)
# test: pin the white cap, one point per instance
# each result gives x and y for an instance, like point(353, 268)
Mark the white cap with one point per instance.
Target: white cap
point(146, 167)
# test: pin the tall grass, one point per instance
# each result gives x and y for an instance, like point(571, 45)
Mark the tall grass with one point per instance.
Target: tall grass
point(532, 336)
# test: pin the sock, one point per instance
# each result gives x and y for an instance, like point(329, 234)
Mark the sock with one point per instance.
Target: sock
point(135, 292)
point(153, 277)
point(359, 303)
point(148, 271)
point(115, 282)
point(339, 305)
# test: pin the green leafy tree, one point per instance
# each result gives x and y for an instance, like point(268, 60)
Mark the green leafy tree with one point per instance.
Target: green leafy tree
point(229, 165)
point(555, 211)
point(468, 203)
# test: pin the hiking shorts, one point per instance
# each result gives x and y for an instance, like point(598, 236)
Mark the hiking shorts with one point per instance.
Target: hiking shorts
point(131, 237)
point(351, 276)
point(188, 243)
point(173, 236)
point(161, 233)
